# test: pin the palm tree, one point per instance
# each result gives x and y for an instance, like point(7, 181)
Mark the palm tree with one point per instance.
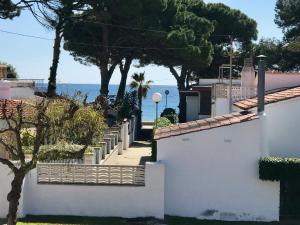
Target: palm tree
point(142, 87)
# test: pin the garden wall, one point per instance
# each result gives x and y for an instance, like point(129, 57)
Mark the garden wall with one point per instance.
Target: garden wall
point(90, 200)
point(213, 174)
point(283, 126)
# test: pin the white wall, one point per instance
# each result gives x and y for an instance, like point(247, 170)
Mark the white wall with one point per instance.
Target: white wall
point(6, 177)
point(100, 201)
point(192, 107)
point(281, 80)
point(220, 107)
point(21, 92)
point(213, 174)
point(283, 128)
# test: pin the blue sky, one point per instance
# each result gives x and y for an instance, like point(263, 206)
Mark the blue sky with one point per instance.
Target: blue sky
point(32, 57)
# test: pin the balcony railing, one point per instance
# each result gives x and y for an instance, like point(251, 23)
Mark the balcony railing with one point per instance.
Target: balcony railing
point(37, 84)
point(238, 92)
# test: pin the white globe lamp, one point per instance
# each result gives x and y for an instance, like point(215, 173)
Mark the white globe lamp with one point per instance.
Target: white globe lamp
point(156, 98)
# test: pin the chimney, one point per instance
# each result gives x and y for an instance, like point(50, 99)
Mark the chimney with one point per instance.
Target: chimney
point(261, 85)
point(264, 147)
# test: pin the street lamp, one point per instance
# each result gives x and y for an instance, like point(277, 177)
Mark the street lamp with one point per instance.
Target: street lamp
point(167, 92)
point(156, 98)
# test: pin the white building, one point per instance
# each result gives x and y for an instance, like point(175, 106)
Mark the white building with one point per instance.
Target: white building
point(211, 165)
point(212, 97)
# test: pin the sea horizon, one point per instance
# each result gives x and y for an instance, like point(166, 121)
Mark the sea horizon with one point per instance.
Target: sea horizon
point(148, 107)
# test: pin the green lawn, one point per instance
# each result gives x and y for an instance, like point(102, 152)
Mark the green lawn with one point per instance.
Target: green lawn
point(60, 220)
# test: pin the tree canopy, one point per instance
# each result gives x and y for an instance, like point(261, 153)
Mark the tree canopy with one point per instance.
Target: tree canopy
point(111, 33)
point(11, 70)
point(50, 119)
point(279, 56)
point(8, 9)
point(288, 17)
point(229, 24)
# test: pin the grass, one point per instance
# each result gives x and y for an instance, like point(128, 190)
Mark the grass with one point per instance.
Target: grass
point(71, 220)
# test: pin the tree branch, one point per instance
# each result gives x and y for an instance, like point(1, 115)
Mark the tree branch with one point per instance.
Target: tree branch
point(9, 164)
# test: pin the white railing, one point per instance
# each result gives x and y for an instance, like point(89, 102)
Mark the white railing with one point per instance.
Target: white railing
point(90, 174)
point(36, 84)
point(238, 92)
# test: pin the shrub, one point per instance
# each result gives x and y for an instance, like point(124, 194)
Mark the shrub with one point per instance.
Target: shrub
point(170, 114)
point(162, 122)
point(276, 169)
point(59, 151)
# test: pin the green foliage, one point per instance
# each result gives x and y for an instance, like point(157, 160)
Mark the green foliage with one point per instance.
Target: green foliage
point(277, 169)
point(162, 122)
point(279, 56)
point(141, 87)
point(11, 70)
point(8, 9)
point(28, 137)
point(228, 24)
point(59, 151)
point(170, 114)
point(86, 122)
point(288, 17)
point(128, 105)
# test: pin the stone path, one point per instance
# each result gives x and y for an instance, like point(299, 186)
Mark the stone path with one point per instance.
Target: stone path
point(137, 154)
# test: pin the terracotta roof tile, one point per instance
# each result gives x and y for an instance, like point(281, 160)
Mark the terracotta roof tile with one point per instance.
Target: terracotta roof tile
point(199, 125)
point(269, 98)
point(9, 107)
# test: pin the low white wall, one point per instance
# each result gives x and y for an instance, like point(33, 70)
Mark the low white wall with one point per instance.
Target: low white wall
point(100, 201)
point(283, 127)
point(220, 107)
point(22, 92)
point(213, 174)
point(6, 177)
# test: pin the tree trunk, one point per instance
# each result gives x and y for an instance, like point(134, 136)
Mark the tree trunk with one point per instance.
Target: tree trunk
point(124, 74)
point(140, 97)
point(104, 83)
point(181, 87)
point(13, 198)
point(182, 102)
point(55, 60)
point(105, 74)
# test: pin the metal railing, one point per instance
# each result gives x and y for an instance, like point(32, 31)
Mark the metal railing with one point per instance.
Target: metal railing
point(37, 84)
point(238, 92)
point(90, 174)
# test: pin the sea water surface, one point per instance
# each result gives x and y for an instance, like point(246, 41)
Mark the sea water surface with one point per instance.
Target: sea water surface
point(148, 107)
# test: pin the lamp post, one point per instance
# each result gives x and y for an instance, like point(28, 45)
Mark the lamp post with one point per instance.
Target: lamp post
point(156, 98)
point(167, 92)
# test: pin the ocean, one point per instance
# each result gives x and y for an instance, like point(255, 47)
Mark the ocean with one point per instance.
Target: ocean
point(148, 107)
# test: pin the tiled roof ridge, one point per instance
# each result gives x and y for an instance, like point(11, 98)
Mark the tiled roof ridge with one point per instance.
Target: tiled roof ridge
point(280, 72)
point(277, 96)
point(205, 124)
point(10, 107)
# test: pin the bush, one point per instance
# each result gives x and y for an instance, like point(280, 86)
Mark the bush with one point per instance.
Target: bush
point(170, 114)
point(276, 169)
point(160, 123)
point(59, 151)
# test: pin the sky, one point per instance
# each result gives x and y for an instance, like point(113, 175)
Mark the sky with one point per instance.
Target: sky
point(32, 57)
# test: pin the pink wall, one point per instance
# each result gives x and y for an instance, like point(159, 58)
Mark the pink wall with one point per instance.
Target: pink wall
point(276, 80)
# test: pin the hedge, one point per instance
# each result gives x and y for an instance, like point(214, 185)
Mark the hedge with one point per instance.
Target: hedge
point(57, 152)
point(277, 169)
